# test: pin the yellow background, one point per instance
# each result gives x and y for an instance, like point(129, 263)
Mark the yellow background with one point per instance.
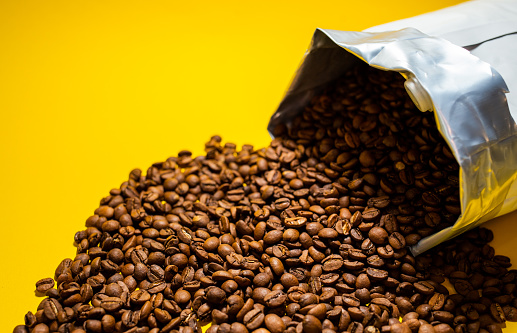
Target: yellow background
point(92, 89)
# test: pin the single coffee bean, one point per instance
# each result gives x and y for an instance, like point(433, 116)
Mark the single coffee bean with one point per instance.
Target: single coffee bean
point(311, 324)
point(332, 263)
point(376, 274)
point(274, 323)
point(111, 304)
point(215, 295)
point(319, 311)
point(510, 313)
point(497, 313)
point(21, 329)
point(253, 319)
point(397, 241)
point(424, 287)
point(275, 298)
point(238, 328)
point(437, 301)
point(400, 328)
point(426, 328)
point(40, 328)
point(277, 266)
point(43, 285)
point(51, 308)
point(443, 328)
point(378, 235)
point(288, 280)
point(295, 222)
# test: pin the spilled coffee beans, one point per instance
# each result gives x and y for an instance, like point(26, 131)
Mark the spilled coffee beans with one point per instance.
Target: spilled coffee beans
point(309, 234)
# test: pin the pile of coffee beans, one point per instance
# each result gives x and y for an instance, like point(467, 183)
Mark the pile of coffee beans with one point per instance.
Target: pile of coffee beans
point(309, 234)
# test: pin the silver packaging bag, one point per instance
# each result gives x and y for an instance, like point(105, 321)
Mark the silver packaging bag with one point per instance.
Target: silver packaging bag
point(460, 69)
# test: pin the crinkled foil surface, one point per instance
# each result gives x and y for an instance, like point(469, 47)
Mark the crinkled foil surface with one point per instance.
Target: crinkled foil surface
point(467, 95)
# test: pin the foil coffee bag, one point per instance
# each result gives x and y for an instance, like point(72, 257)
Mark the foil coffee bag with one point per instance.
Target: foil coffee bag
point(458, 63)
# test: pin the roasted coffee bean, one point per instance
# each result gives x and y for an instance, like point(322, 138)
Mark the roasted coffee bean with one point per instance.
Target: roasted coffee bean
point(311, 324)
point(43, 285)
point(156, 287)
point(24, 329)
point(443, 328)
point(397, 241)
point(275, 298)
point(424, 287)
point(378, 235)
point(510, 313)
point(111, 304)
point(463, 287)
point(288, 280)
point(497, 313)
point(130, 319)
point(319, 311)
point(51, 308)
point(215, 295)
point(295, 222)
point(437, 301)
point(274, 323)
point(426, 328)
point(376, 274)
point(400, 328)
point(327, 233)
point(40, 328)
point(253, 319)
point(139, 296)
point(443, 316)
point(332, 263)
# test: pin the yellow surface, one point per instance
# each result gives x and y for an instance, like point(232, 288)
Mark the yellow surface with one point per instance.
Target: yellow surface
point(92, 89)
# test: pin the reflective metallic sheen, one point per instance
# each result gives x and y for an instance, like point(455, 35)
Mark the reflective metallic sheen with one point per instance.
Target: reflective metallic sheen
point(467, 95)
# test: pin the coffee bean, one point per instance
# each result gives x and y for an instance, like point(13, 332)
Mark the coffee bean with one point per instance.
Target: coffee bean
point(497, 313)
point(426, 328)
point(437, 301)
point(443, 316)
point(156, 287)
point(376, 274)
point(21, 329)
point(43, 285)
point(351, 301)
point(41, 328)
point(51, 308)
point(275, 298)
point(400, 328)
point(328, 233)
point(424, 287)
point(130, 319)
point(253, 319)
point(93, 325)
point(378, 235)
point(311, 324)
point(215, 295)
point(332, 263)
point(273, 236)
point(295, 222)
point(277, 266)
point(111, 304)
point(274, 323)
point(353, 265)
point(397, 241)
point(182, 296)
point(443, 328)
point(319, 311)
point(510, 313)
